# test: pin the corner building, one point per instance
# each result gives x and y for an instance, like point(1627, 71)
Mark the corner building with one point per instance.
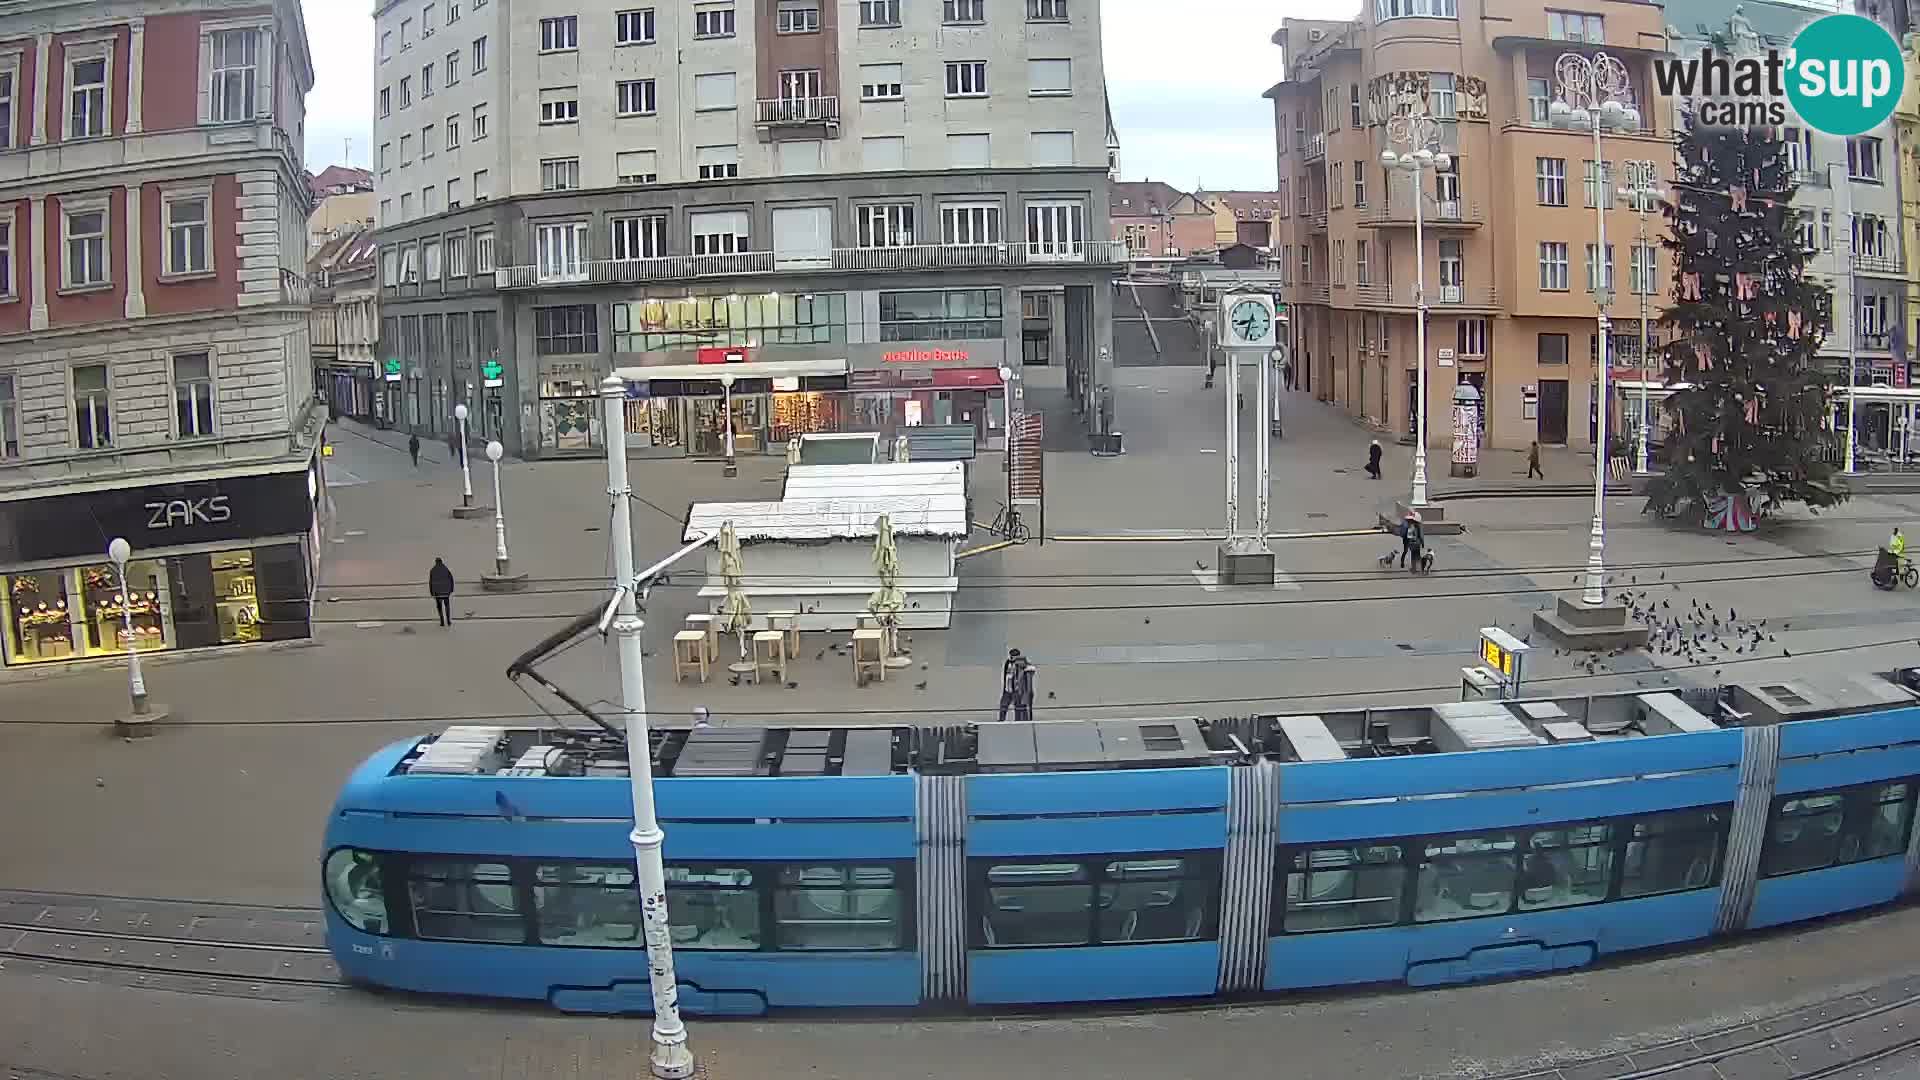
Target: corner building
point(872, 208)
point(155, 376)
point(1509, 230)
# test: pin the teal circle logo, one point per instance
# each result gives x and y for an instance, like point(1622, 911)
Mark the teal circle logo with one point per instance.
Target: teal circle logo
point(1845, 74)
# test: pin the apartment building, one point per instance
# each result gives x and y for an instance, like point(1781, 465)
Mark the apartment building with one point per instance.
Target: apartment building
point(875, 206)
point(1509, 255)
point(1157, 220)
point(345, 322)
point(154, 375)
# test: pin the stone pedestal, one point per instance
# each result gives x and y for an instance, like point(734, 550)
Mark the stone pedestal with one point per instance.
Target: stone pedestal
point(140, 725)
point(503, 582)
point(1245, 562)
point(467, 513)
point(1433, 519)
point(1575, 625)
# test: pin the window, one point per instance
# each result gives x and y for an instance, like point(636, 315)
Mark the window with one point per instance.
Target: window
point(881, 82)
point(1051, 148)
point(881, 152)
point(1573, 26)
point(87, 97)
point(426, 81)
point(483, 251)
point(456, 251)
point(713, 22)
point(426, 21)
point(1539, 99)
point(963, 11)
point(559, 106)
point(1553, 266)
point(968, 151)
point(1592, 253)
point(967, 78)
point(426, 141)
point(386, 102)
point(1674, 852)
point(883, 225)
point(633, 27)
point(1605, 187)
point(453, 12)
point(192, 395)
point(85, 229)
point(390, 267)
point(636, 167)
point(453, 132)
point(1815, 831)
point(355, 889)
point(1870, 236)
point(1804, 229)
point(6, 255)
point(1552, 349)
point(406, 208)
point(970, 223)
point(92, 409)
point(1046, 10)
point(940, 315)
point(1342, 888)
point(839, 907)
point(879, 12)
point(231, 88)
point(1550, 181)
point(1045, 77)
point(560, 251)
point(640, 237)
point(406, 150)
point(1440, 95)
point(714, 91)
point(711, 907)
point(723, 232)
point(456, 900)
point(717, 162)
point(1464, 876)
point(453, 68)
point(386, 45)
point(406, 91)
point(1340, 262)
point(559, 174)
point(1353, 101)
point(1135, 899)
point(1401, 9)
point(187, 224)
point(406, 32)
point(797, 157)
point(560, 34)
point(430, 259)
point(566, 331)
point(797, 17)
point(590, 905)
point(799, 87)
point(479, 122)
point(1643, 267)
point(479, 55)
point(1054, 230)
point(1470, 337)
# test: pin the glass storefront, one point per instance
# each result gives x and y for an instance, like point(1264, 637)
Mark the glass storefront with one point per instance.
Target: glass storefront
point(749, 320)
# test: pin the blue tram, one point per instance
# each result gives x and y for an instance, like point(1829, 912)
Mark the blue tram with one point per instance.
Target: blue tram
point(1139, 859)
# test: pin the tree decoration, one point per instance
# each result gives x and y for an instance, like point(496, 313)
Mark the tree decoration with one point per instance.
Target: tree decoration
point(1750, 404)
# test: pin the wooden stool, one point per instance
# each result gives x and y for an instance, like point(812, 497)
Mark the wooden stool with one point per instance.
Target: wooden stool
point(789, 621)
point(869, 655)
point(690, 652)
point(769, 652)
point(707, 624)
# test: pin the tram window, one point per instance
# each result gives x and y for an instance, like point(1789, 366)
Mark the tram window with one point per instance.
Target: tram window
point(1890, 814)
point(1806, 833)
point(1037, 904)
point(713, 907)
point(354, 887)
point(1465, 876)
point(455, 900)
point(1154, 899)
point(1673, 852)
point(1566, 866)
point(838, 907)
point(587, 904)
point(1344, 888)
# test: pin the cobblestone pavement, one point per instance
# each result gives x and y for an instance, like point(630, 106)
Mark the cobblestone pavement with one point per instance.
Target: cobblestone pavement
point(1794, 993)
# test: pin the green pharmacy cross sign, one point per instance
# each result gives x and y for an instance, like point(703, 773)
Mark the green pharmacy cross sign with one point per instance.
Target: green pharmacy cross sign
point(491, 371)
point(393, 369)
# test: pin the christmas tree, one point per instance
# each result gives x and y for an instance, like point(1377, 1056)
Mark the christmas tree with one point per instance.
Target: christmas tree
point(1747, 424)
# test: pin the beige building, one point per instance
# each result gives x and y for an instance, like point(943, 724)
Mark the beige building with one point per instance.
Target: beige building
point(1509, 229)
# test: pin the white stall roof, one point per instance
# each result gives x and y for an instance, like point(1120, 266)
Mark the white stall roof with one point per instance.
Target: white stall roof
point(924, 499)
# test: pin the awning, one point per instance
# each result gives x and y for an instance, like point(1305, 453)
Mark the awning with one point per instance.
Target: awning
point(756, 369)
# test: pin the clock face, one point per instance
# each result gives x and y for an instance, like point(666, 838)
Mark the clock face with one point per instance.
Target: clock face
point(1250, 321)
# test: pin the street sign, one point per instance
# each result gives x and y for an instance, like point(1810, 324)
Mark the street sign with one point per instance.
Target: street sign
point(392, 368)
point(491, 372)
point(1505, 657)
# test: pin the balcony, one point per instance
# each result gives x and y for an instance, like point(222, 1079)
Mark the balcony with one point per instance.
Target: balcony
point(1435, 214)
point(1316, 147)
point(837, 260)
point(822, 112)
point(1317, 220)
point(1879, 264)
point(1805, 177)
point(1439, 297)
point(1875, 340)
point(1310, 292)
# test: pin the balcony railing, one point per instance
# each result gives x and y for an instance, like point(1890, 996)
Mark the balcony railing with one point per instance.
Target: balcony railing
point(1436, 213)
point(1805, 177)
point(1400, 296)
point(1316, 147)
point(1317, 219)
point(774, 112)
point(1878, 264)
point(843, 260)
point(1310, 292)
point(1878, 340)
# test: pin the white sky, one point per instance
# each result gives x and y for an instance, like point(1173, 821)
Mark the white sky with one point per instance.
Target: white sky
point(1185, 89)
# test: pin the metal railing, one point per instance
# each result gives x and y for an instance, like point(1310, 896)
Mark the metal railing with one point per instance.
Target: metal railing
point(1316, 147)
point(1310, 292)
point(806, 110)
point(736, 264)
point(1878, 264)
point(1879, 340)
point(1437, 212)
point(1380, 295)
point(1317, 219)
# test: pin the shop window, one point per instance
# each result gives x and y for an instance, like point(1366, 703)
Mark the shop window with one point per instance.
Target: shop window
point(940, 315)
point(747, 320)
point(39, 617)
point(563, 331)
point(107, 602)
point(236, 601)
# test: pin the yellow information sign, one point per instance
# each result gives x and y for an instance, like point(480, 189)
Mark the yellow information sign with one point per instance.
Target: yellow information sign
point(1497, 658)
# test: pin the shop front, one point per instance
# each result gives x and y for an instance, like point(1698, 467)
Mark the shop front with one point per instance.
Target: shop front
point(350, 389)
point(682, 410)
point(220, 560)
point(901, 385)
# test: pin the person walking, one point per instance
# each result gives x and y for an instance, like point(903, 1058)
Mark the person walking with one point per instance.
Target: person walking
point(1412, 539)
point(1023, 692)
point(413, 449)
point(440, 585)
point(1373, 460)
point(1533, 461)
point(1286, 374)
point(1007, 681)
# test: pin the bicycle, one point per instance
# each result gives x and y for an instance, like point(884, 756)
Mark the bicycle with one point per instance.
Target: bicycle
point(1007, 524)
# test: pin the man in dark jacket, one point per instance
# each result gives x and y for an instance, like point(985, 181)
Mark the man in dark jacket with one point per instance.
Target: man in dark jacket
point(1023, 692)
point(413, 449)
point(1007, 681)
point(440, 584)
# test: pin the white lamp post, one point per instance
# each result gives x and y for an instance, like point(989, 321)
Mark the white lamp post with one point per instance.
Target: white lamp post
point(726, 408)
point(1419, 136)
point(1641, 193)
point(501, 565)
point(120, 551)
point(466, 476)
point(1595, 92)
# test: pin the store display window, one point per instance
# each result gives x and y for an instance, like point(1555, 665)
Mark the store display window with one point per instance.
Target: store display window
point(39, 616)
point(107, 604)
point(236, 597)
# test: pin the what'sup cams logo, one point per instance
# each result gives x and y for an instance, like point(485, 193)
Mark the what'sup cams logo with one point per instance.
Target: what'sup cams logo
point(1843, 76)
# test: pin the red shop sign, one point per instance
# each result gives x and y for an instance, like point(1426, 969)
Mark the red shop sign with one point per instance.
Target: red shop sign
point(722, 356)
